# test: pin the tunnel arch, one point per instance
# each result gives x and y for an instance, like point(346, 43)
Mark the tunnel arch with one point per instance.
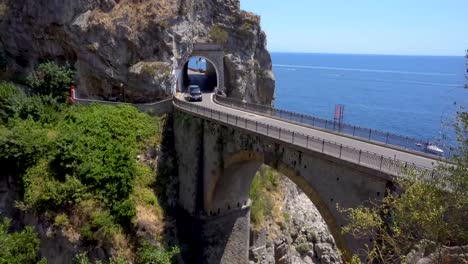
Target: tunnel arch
point(213, 53)
point(184, 78)
point(246, 161)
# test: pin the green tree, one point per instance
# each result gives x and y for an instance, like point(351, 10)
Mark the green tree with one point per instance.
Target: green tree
point(433, 210)
point(10, 101)
point(51, 79)
point(149, 254)
point(18, 247)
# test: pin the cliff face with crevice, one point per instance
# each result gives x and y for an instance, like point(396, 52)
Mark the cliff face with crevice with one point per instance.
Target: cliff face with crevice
point(299, 236)
point(131, 47)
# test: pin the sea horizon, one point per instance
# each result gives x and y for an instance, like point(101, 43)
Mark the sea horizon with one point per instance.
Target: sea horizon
point(413, 96)
point(366, 54)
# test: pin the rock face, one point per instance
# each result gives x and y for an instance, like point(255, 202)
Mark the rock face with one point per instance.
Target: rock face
point(130, 48)
point(303, 239)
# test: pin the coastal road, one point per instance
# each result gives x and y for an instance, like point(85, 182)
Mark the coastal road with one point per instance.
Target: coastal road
point(410, 157)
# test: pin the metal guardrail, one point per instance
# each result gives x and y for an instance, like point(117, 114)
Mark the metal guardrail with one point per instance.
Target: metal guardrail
point(371, 160)
point(156, 108)
point(342, 128)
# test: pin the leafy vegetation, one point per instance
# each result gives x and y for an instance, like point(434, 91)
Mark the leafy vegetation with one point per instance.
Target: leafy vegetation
point(18, 247)
point(433, 210)
point(218, 35)
point(52, 80)
point(79, 165)
point(156, 255)
point(262, 190)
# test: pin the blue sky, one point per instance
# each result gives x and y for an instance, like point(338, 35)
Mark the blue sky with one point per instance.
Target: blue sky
point(406, 27)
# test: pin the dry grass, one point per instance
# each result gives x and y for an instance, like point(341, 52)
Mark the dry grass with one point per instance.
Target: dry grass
point(149, 214)
point(250, 17)
point(137, 14)
point(156, 69)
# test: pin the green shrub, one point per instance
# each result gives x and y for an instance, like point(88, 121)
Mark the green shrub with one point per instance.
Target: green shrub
point(101, 227)
point(124, 211)
point(263, 185)
point(303, 248)
point(68, 155)
point(44, 192)
point(10, 101)
point(18, 247)
point(45, 109)
point(52, 79)
point(218, 35)
point(82, 258)
point(15, 104)
point(23, 144)
point(149, 254)
point(431, 209)
point(61, 220)
point(99, 145)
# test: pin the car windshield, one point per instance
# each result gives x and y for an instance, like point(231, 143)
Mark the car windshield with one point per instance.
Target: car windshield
point(195, 90)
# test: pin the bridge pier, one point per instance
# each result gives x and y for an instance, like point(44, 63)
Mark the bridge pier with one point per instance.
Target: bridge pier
point(214, 208)
point(222, 238)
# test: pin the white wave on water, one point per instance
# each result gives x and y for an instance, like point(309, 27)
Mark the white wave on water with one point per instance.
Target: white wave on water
point(344, 77)
point(363, 70)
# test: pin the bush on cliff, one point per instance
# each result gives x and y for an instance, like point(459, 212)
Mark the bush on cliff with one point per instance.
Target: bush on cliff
point(433, 211)
point(218, 35)
point(52, 80)
point(18, 247)
point(15, 104)
point(80, 163)
point(149, 254)
point(263, 189)
point(10, 100)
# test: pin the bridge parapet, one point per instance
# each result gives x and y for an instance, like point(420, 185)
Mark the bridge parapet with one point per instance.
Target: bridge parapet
point(386, 165)
point(385, 138)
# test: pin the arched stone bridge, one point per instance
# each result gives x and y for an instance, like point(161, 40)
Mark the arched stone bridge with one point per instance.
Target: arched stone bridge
point(220, 148)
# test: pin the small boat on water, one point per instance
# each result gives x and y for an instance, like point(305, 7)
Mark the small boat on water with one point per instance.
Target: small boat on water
point(434, 149)
point(431, 148)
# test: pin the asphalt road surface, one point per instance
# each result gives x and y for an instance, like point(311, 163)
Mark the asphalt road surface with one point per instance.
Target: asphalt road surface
point(423, 161)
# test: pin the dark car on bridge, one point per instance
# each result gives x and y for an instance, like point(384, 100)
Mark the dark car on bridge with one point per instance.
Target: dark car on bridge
point(194, 93)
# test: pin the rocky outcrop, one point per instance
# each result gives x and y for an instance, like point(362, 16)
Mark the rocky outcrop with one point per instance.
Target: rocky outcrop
point(119, 48)
point(304, 237)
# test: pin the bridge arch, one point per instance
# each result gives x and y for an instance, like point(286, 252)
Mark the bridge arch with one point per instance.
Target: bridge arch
point(240, 169)
point(214, 56)
point(205, 75)
point(217, 163)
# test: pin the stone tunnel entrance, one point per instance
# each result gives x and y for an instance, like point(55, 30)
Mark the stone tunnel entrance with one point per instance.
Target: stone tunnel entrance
point(200, 71)
point(204, 66)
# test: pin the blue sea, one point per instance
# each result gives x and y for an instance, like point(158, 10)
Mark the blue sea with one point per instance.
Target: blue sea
point(415, 96)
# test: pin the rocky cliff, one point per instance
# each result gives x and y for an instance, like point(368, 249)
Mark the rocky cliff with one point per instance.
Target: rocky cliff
point(301, 237)
point(131, 47)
